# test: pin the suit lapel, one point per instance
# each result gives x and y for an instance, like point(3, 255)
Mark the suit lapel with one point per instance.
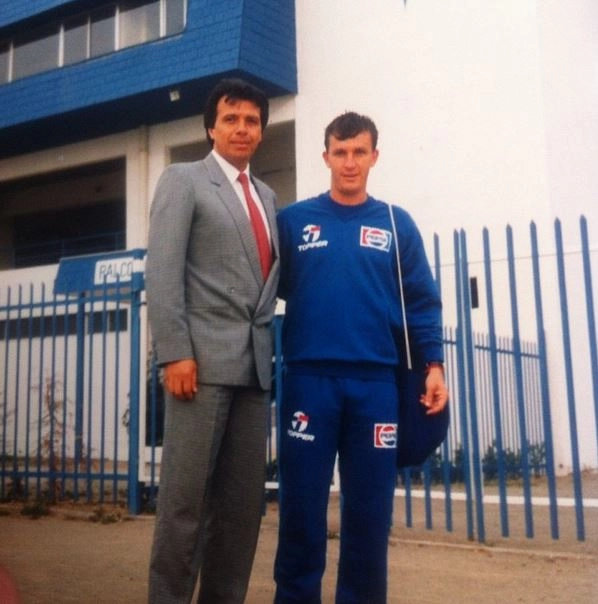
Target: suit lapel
point(230, 200)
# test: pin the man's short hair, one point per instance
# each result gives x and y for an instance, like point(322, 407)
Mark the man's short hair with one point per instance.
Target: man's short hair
point(348, 125)
point(234, 89)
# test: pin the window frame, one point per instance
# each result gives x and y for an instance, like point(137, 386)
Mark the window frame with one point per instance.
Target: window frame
point(61, 26)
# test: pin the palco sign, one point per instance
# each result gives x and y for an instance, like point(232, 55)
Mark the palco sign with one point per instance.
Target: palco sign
point(77, 274)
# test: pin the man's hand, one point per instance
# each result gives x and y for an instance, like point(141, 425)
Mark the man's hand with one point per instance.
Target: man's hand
point(436, 395)
point(180, 379)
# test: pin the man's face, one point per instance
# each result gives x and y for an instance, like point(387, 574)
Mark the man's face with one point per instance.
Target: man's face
point(350, 161)
point(237, 131)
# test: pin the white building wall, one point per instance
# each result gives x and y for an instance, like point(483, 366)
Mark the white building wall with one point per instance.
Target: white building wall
point(484, 107)
point(568, 33)
point(488, 117)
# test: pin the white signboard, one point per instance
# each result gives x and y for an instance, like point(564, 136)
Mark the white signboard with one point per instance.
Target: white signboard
point(116, 270)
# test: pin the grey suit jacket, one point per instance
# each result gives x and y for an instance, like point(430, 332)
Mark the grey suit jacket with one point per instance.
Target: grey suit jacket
point(206, 295)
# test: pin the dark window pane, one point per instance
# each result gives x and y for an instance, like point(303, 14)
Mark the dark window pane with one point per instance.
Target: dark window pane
point(175, 16)
point(45, 237)
point(4, 48)
point(139, 22)
point(103, 24)
point(75, 40)
point(35, 52)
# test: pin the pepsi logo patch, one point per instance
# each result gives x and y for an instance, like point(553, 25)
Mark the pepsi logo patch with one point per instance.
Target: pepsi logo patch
point(373, 237)
point(385, 436)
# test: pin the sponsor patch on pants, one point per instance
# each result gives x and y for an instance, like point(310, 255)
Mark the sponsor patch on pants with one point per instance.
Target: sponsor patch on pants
point(385, 436)
point(298, 429)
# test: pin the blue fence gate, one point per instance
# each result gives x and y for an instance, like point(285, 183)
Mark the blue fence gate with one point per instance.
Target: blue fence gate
point(69, 394)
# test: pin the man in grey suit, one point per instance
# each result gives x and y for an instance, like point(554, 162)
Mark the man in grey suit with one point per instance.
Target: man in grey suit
point(211, 278)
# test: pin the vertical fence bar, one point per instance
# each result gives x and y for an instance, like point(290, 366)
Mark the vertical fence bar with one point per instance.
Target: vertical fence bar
point(134, 486)
point(570, 386)
point(476, 460)
point(463, 398)
point(90, 398)
point(5, 393)
point(427, 484)
point(587, 271)
point(18, 333)
point(519, 390)
point(494, 381)
point(103, 361)
point(29, 390)
point(53, 404)
point(445, 455)
point(79, 391)
point(446, 445)
point(426, 467)
point(544, 386)
point(65, 376)
point(40, 401)
point(153, 401)
point(116, 391)
point(406, 472)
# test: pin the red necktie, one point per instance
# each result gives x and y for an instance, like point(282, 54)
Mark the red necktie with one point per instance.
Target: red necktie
point(259, 229)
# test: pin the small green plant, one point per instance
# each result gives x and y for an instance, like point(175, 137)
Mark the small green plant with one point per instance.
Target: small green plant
point(512, 462)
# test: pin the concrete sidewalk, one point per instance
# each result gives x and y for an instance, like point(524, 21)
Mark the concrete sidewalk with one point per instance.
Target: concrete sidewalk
point(65, 558)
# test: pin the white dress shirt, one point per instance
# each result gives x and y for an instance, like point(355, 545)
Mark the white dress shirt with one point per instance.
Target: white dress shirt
point(232, 174)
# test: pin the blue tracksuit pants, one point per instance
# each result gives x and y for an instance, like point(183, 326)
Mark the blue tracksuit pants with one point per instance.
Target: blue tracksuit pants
point(320, 416)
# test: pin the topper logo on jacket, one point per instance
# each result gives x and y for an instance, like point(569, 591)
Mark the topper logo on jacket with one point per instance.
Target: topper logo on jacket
point(311, 236)
point(376, 238)
point(311, 232)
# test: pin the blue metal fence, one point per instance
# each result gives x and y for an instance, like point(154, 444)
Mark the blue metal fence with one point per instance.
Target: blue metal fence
point(75, 399)
point(69, 394)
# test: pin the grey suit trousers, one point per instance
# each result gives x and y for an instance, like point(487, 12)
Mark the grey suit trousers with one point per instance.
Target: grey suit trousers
point(210, 499)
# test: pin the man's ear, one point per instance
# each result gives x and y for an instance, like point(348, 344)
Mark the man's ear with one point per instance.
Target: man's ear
point(325, 158)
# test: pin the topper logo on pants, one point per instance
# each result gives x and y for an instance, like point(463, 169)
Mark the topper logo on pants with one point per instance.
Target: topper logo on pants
point(299, 426)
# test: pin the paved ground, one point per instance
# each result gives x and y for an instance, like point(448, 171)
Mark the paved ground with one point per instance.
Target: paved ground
point(66, 558)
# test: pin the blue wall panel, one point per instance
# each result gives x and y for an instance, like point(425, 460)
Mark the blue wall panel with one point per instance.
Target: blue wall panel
point(251, 38)
point(12, 11)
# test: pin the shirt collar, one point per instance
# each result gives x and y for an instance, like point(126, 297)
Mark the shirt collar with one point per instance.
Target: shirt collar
point(229, 170)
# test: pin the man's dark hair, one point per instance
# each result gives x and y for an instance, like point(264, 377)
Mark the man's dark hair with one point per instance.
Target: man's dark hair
point(234, 89)
point(348, 125)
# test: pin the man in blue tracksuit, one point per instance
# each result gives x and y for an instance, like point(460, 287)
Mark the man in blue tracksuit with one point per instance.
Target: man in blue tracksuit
point(342, 320)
